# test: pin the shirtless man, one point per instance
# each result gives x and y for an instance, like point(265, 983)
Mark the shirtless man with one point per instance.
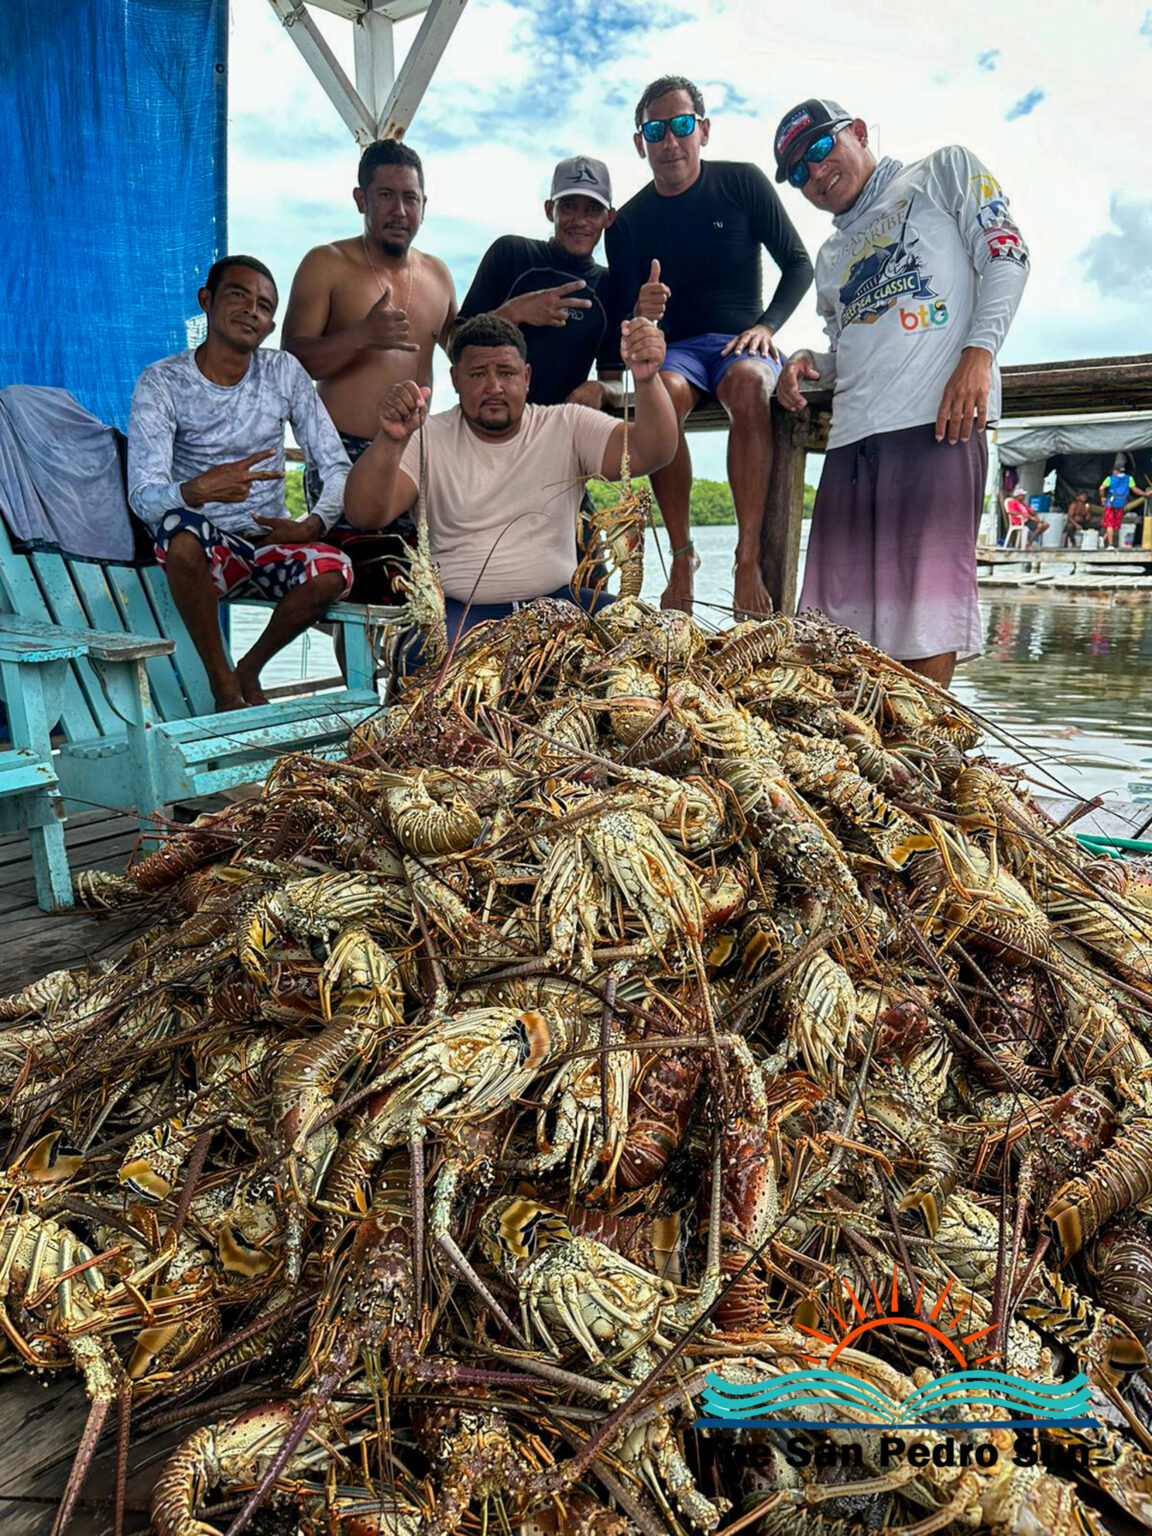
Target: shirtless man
point(365, 313)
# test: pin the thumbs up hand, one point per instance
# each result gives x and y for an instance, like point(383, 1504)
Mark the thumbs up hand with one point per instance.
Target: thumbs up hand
point(386, 328)
point(653, 297)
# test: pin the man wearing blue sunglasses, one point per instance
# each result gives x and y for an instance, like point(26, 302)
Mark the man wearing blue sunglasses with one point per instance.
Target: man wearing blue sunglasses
point(916, 288)
point(691, 241)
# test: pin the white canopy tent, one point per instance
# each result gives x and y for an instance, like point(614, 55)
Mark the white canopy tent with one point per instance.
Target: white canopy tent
point(1030, 442)
point(1080, 449)
point(382, 103)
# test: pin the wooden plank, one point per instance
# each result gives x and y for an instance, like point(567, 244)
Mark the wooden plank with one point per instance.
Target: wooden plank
point(64, 609)
point(101, 643)
point(43, 1422)
point(27, 650)
point(236, 729)
point(186, 661)
point(22, 595)
point(96, 828)
point(43, 942)
point(24, 771)
point(171, 696)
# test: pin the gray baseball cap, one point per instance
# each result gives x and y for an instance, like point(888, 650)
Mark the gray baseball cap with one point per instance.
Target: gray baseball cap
point(582, 177)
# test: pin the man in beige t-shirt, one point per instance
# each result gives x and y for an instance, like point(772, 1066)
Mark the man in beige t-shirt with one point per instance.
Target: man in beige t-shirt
point(504, 478)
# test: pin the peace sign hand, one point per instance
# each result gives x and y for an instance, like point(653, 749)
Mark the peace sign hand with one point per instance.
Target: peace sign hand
point(546, 306)
point(228, 482)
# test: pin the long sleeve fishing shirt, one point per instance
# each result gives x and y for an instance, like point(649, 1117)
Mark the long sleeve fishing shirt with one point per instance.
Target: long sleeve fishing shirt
point(182, 424)
point(926, 262)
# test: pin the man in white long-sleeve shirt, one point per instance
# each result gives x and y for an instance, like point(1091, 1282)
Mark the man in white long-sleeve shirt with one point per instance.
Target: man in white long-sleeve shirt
point(206, 471)
point(916, 289)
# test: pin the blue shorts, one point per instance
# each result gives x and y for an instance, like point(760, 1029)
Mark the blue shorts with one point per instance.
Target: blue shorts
point(698, 359)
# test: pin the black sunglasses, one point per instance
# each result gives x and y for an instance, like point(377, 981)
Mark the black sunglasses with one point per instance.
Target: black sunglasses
point(681, 125)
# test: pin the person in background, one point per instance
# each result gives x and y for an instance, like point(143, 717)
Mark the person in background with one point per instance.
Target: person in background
point(552, 289)
point(1079, 517)
point(917, 287)
point(1116, 491)
point(505, 478)
point(1036, 526)
point(363, 313)
point(691, 242)
point(206, 472)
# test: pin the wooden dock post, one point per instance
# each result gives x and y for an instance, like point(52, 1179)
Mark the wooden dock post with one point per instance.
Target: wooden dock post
point(794, 436)
point(784, 508)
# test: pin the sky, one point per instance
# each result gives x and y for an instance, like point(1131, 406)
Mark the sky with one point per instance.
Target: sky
point(1044, 95)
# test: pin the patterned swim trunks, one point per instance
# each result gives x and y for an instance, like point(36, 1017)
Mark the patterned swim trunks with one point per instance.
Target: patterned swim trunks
point(243, 569)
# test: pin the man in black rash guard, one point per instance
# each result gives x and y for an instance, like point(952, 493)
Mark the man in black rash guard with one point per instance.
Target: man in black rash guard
point(691, 241)
point(552, 289)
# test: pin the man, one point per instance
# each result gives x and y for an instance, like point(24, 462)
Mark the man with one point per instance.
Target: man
point(1116, 490)
point(365, 312)
point(552, 288)
point(205, 470)
point(1079, 518)
point(917, 289)
point(505, 478)
point(692, 238)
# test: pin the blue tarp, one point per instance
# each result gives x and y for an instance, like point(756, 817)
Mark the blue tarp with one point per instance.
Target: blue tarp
point(113, 121)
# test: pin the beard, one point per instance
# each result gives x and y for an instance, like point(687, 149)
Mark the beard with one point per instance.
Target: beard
point(393, 245)
point(490, 423)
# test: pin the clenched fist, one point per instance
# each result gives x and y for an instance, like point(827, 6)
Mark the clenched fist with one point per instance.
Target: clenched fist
point(642, 348)
point(403, 410)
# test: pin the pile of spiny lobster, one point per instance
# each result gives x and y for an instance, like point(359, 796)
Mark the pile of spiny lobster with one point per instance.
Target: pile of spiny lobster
point(634, 1011)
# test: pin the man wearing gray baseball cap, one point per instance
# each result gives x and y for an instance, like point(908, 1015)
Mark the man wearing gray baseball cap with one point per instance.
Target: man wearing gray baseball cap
point(916, 287)
point(551, 288)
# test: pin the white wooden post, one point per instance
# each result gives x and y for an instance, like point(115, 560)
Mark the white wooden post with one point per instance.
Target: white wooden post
point(380, 105)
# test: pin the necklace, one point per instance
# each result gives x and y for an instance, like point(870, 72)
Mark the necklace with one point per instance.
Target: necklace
point(379, 281)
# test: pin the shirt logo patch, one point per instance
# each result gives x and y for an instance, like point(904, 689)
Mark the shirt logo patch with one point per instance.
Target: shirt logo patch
point(878, 280)
point(717, 223)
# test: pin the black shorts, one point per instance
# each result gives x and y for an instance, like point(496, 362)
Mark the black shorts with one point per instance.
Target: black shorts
point(377, 556)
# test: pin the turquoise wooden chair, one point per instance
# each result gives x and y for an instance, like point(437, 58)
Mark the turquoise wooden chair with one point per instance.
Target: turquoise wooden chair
point(131, 702)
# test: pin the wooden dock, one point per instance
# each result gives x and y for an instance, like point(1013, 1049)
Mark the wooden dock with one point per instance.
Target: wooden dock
point(34, 942)
point(1101, 571)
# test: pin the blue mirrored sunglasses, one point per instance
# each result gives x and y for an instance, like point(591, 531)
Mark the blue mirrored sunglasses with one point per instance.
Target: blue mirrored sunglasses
point(656, 127)
point(818, 150)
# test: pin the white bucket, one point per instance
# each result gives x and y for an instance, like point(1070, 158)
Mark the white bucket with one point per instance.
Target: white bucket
point(1054, 538)
point(1090, 538)
point(1127, 534)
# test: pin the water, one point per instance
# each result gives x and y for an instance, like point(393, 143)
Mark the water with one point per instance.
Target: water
point(1067, 680)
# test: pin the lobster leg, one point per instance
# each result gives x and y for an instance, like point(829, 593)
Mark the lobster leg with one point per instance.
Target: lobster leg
point(452, 1250)
point(106, 1383)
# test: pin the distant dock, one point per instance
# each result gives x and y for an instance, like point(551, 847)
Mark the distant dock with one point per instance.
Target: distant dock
point(1126, 571)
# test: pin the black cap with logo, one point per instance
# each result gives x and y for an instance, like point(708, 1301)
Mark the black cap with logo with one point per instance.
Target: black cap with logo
point(797, 129)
